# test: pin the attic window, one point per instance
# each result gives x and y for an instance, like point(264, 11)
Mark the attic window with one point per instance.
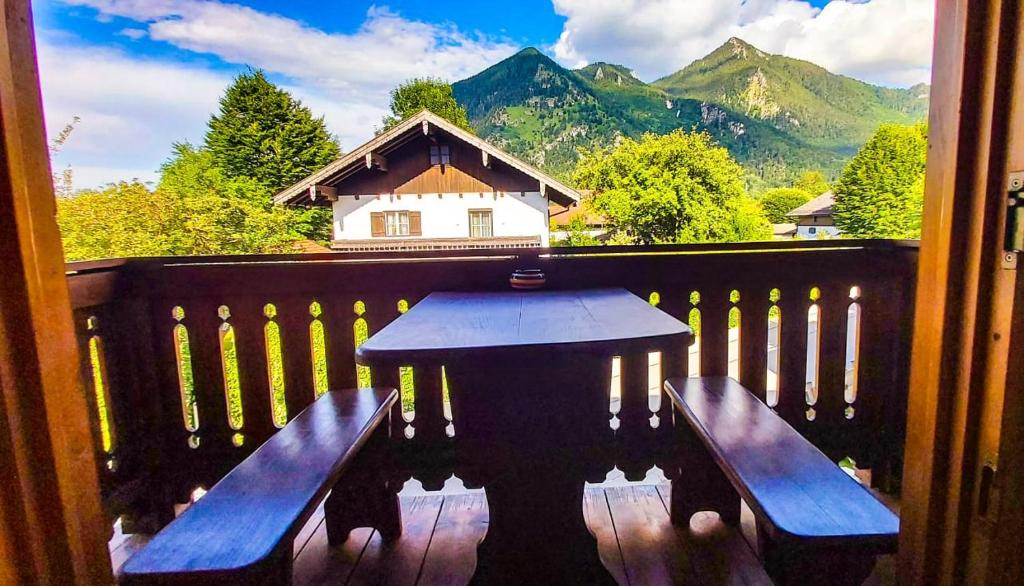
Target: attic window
point(440, 154)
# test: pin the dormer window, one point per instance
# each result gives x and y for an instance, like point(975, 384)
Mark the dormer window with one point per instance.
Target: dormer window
point(440, 154)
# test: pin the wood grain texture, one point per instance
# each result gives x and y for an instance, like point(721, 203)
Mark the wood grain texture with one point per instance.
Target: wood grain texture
point(400, 561)
point(242, 522)
point(799, 493)
point(649, 544)
point(599, 520)
point(52, 525)
point(109, 289)
point(461, 524)
point(448, 326)
point(717, 551)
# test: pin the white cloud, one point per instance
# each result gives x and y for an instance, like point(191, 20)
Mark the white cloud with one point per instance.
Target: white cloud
point(386, 50)
point(881, 41)
point(133, 108)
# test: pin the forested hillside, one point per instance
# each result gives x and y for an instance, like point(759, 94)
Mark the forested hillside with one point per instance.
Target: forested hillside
point(777, 116)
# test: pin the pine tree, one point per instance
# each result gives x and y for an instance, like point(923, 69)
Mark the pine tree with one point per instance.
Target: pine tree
point(262, 132)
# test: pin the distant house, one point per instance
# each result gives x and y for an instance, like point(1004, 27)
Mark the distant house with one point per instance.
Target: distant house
point(561, 216)
point(429, 185)
point(814, 218)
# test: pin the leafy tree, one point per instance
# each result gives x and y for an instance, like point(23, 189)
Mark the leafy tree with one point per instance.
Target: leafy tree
point(195, 209)
point(813, 182)
point(577, 233)
point(678, 187)
point(782, 200)
point(879, 193)
point(425, 93)
point(262, 132)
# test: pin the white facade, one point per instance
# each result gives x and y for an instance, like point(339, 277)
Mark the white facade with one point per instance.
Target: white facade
point(445, 215)
point(813, 232)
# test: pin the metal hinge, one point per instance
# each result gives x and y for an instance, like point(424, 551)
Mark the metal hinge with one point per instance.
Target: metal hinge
point(1013, 236)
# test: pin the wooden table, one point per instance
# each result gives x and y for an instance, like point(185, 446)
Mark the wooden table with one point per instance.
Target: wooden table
point(529, 377)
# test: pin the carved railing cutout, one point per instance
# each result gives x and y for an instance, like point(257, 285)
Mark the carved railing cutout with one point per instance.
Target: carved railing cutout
point(236, 347)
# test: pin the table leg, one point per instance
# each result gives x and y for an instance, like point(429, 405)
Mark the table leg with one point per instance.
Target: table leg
point(534, 427)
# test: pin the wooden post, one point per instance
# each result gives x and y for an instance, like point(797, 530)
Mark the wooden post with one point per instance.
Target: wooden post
point(951, 532)
point(51, 518)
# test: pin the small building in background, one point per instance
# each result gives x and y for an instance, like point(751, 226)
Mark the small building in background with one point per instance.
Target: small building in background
point(783, 231)
point(428, 185)
point(561, 216)
point(814, 218)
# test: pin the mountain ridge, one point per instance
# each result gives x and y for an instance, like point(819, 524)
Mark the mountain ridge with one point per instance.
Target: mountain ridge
point(776, 115)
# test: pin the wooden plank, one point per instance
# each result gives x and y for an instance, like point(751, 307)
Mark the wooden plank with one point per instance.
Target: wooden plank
point(293, 319)
point(753, 354)
point(307, 531)
point(400, 562)
point(719, 554)
point(793, 305)
point(797, 493)
point(599, 521)
point(651, 550)
point(451, 556)
point(714, 330)
point(445, 326)
point(319, 563)
point(234, 525)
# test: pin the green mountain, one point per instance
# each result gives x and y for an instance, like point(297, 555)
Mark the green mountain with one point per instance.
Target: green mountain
point(798, 97)
point(546, 114)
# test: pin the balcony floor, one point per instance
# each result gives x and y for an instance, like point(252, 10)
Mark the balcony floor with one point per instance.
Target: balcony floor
point(637, 543)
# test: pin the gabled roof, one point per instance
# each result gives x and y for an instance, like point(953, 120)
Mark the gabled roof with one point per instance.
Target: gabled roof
point(819, 206)
point(391, 139)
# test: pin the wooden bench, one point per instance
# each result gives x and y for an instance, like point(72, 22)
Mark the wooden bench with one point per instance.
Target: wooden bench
point(242, 530)
point(815, 524)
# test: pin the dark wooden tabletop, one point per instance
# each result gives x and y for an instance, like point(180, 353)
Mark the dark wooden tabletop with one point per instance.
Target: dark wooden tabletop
point(444, 326)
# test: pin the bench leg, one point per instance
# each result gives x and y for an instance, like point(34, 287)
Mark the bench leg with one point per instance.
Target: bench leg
point(279, 573)
point(811, 566)
point(700, 485)
point(363, 497)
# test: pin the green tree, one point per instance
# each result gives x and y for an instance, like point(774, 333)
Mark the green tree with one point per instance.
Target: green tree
point(195, 209)
point(779, 201)
point(880, 191)
point(425, 93)
point(813, 182)
point(262, 132)
point(577, 233)
point(678, 187)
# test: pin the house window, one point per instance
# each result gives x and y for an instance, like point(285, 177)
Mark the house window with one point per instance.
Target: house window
point(812, 230)
point(440, 154)
point(396, 223)
point(480, 224)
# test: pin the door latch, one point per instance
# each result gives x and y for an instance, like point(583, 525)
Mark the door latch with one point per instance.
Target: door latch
point(1013, 237)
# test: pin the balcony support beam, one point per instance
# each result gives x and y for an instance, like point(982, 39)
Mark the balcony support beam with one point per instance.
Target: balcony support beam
point(52, 528)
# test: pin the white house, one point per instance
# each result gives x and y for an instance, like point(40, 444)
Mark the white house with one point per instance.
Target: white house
point(427, 184)
point(814, 218)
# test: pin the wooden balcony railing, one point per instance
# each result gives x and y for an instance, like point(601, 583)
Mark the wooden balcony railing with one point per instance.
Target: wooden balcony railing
point(193, 362)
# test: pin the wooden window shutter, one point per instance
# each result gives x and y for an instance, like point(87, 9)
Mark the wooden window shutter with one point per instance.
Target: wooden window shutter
point(376, 223)
point(415, 225)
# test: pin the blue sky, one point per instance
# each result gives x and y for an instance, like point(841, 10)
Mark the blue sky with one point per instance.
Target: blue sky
point(142, 74)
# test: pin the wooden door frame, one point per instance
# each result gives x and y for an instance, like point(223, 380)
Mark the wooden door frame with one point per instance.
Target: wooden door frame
point(964, 296)
point(52, 516)
point(52, 528)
